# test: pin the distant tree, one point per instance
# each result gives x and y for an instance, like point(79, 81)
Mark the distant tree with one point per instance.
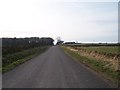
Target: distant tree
point(59, 41)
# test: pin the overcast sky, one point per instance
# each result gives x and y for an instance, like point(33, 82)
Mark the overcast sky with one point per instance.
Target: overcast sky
point(72, 20)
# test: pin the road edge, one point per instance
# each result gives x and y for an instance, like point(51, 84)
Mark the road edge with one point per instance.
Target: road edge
point(100, 74)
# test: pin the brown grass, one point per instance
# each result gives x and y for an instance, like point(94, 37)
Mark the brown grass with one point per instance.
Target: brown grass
point(111, 60)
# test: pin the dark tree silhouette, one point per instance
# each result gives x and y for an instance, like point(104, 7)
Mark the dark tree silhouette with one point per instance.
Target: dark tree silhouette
point(11, 45)
point(32, 41)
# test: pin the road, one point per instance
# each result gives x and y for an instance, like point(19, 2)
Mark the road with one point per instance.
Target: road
point(53, 69)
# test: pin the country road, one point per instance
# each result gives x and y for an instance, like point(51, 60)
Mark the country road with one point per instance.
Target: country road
point(53, 69)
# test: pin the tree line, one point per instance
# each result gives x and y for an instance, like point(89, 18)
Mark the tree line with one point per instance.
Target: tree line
point(31, 41)
point(13, 45)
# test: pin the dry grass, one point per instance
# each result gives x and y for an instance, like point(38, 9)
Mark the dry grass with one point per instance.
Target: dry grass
point(106, 67)
point(111, 60)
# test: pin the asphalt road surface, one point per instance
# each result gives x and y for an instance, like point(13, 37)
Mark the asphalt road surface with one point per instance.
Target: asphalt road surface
point(53, 69)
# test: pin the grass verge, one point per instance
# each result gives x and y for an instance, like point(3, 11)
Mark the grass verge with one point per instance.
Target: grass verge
point(96, 65)
point(28, 54)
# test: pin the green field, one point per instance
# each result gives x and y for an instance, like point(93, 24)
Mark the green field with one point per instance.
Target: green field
point(102, 49)
point(100, 66)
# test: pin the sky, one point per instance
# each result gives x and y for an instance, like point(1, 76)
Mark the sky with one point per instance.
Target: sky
point(72, 20)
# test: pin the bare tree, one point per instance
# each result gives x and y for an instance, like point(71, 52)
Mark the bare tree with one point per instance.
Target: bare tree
point(59, 41)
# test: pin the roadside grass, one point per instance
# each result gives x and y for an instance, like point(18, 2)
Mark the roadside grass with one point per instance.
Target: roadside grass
point(16, 63)
point(96, 65)
point(12, 60)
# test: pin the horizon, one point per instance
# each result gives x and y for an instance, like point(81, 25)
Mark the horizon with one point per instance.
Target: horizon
point(55, 41)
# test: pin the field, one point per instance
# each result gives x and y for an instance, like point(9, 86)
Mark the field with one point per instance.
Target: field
point(103, 59)
point(101, 52)
point(103, 49)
